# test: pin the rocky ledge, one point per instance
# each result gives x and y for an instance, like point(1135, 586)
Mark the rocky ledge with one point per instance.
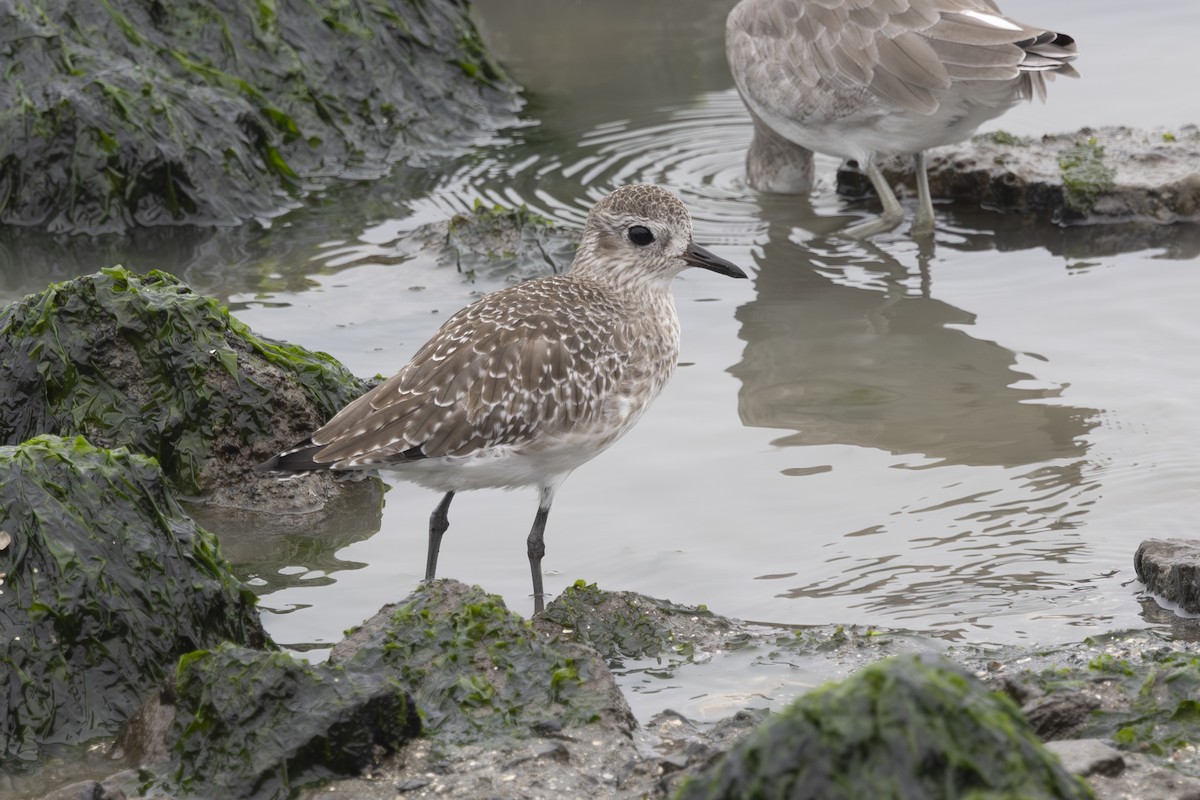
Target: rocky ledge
point(515, 708)
point(1094, 175)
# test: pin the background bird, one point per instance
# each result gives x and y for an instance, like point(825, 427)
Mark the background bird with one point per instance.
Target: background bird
point(529, 382)
point(862, 79)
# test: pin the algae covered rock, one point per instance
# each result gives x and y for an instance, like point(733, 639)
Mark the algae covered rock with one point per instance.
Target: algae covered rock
point(510, 243)
point(256, 725)
point(145, 363)
point(123, 114)
point(905, 728)
point(1103, 175)
point(628, 626)
point(477, 671)
point(1143, 695)
point(104, 583)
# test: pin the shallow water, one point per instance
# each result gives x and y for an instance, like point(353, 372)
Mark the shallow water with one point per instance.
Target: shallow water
point(967, 439)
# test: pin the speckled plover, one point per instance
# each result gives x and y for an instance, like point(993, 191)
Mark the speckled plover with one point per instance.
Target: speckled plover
point(529, 382)
point(858, 79)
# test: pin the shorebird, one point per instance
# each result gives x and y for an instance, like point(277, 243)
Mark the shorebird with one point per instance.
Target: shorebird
point(529, 382)
point(862, 79)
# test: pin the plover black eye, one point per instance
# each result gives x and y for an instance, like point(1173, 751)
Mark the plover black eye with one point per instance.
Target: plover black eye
point(640, 235)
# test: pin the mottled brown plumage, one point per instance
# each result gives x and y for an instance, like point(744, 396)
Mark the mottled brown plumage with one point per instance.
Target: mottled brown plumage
point(529, 382)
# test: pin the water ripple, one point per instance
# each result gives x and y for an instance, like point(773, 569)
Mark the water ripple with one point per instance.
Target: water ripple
point(697, 150)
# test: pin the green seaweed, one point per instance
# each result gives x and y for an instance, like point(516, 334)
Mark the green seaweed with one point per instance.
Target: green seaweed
point(904, 728)
point(1146, 698)
point(476, 671)
point(1110, 664)
point(125, 114)
point(1003, 138)
point(475, 61)
point(1158, 714)
point(145, 363)
point(1085, 175)
point(105, 582)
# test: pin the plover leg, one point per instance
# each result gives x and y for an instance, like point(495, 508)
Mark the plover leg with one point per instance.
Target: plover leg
point(536, 545)
point(438, 523)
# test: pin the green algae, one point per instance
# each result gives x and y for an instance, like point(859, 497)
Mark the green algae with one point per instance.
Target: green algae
point(1085, 175)
point(1143, 697)
point(145, 363)
point(1107, 663)
point(1002, 137)
point(105, 582)
point(258, 725)
point(1158, 715)
point(905, 728)
point(478, 672)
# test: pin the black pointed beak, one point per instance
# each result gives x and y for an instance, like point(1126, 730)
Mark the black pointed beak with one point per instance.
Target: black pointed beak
point(697, 256)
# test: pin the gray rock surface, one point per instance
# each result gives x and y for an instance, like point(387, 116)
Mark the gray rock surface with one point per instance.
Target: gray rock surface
point(1094, 175)
point(1088, 690)
point(1170, 568)
point(1118, 775)
point(1087, 757)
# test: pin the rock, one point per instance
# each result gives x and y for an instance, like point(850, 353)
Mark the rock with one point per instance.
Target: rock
point(250, 724)
point(685, 750)
point(501, 243)
point(1170, 568)
point(1113, 175)
point(508, 711)
point(139, 115)
point(479, 672)
point(1116, 775)
point(1085, 757)
point(563, 754)
point(109, 789)
point(624, 625)
point(1060, 715)
point(1143, 692)
point(905, 727)
point(144, 740)
point(104, 583)
point(593, 761)
point(1125, 688)
point(1095, 175)
point(145, 363)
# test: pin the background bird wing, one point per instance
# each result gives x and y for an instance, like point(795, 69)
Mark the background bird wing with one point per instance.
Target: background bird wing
point(808, 53)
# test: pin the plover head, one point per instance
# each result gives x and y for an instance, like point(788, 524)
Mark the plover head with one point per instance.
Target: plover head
point(643, 233)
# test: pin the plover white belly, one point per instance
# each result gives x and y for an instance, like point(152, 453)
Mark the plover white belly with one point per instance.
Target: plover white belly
point(861, 79)
point(529, 382)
